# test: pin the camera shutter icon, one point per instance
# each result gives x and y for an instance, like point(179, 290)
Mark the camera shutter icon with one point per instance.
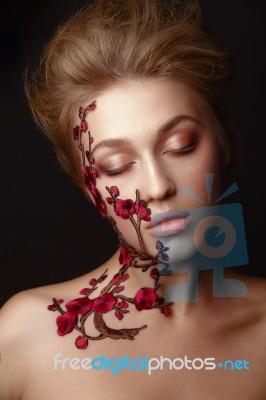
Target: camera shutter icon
point(214, 236)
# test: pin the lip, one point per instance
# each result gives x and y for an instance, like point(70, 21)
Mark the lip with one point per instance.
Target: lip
point(168, 223)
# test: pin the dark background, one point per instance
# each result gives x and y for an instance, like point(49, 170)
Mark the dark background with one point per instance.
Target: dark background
point(49, 231)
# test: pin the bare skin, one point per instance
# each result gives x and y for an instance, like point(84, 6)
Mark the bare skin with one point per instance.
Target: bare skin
point(222, 328)
point(127, 117)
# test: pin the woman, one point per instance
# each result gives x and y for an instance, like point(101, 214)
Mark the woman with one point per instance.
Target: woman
point(133, 95)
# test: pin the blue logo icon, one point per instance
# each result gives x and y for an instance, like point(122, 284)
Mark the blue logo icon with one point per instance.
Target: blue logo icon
point(213, 239)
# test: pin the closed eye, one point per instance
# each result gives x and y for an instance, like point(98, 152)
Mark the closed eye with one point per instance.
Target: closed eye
point(181, 150)
point(118, 171)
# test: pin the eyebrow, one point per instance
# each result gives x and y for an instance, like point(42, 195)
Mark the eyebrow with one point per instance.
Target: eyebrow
point(166, 126)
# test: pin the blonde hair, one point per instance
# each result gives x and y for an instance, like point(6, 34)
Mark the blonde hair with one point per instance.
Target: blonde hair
point(112, 40)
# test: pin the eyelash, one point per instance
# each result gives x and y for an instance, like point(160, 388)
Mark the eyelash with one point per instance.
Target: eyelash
point(182, 150)
point(127, 167)
point(118, 171)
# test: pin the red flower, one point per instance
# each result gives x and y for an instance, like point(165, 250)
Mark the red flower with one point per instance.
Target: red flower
point(123, 304)
point(90, 157)
point(84, 126)
point(114, 190)
point(81, 342)
point(66, 323)
point(52, 307)
point(142, 210)
point(144, 298)
point(119, 315)
point(124, 257)
point(76, 132)
point(90, 175)
point(124, 208)
point(79, 306)
point(104, 303)
point(84, 291)
point(59, 301)
point(92, 106)
point(120, 288)
point(92, 281)
point(154, 273)
point(166, 311)
point(125, 277)
point(116, 279)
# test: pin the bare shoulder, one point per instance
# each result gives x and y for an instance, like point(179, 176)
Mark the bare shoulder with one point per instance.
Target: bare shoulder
point(23, 309)
point(18, 319)
point(28, 331)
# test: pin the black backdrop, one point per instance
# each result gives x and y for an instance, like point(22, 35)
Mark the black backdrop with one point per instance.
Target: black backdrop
point(49, 231)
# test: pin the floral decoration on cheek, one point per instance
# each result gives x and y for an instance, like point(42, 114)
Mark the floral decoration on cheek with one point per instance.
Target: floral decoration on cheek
point(89, 172)
point(112, 298)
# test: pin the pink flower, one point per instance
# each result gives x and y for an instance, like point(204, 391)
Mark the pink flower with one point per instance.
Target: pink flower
point(142, 210)
point(124, 257)
point(76, 132)
point(81, 342)
point(124, 208)
point(144, 298)
point(79, 306)
point(104, 303)
point(66, 323)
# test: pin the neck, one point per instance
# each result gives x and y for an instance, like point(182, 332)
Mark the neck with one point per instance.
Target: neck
point(191, 291)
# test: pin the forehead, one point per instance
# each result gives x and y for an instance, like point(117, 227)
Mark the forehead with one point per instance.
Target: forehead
point(141, 105)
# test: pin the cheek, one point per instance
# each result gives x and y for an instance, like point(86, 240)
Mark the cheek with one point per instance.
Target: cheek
point(194, 171)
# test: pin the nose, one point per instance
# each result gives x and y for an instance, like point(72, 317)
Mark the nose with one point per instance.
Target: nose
point(158, 183)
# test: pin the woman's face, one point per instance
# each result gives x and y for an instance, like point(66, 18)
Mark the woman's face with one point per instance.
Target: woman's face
point(155, 135)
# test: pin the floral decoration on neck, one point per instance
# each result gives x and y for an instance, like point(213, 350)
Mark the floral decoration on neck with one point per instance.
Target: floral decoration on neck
point(111, 298)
